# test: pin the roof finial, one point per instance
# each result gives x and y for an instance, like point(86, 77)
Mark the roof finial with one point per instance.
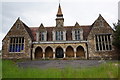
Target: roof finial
point(59, 1)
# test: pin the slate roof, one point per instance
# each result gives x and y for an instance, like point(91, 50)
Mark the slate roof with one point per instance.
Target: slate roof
point(86, 30)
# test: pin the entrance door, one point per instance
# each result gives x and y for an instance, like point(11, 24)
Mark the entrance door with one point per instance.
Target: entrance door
point(59, 53)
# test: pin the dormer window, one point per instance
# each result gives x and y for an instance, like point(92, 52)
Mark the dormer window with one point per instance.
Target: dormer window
point(77, 34)
point(42, 36)
point(59, 35)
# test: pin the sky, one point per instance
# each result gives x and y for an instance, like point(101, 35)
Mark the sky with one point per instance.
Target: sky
point(35, 12)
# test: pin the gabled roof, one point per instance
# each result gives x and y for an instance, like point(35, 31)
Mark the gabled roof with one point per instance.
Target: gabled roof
point(28, 30)
point(86, 30)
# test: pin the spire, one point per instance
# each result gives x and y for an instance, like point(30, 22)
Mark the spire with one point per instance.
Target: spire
point(59, 13)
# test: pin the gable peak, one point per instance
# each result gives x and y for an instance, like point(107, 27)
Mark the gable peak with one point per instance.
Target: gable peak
point(41, 25)
point(77, 24)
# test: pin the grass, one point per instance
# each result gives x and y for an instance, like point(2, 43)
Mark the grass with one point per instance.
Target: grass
point(0, 68)
point(107, 70)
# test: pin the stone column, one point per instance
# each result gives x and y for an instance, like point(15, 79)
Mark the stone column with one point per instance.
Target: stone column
point(64, 35)
point(43, 54)
point(53, 53)
point(64, 53)
point(45, 34)
point(37, 36)
point(73, 35)
point(85, 50)
point(74, 52)
point(81, 34)
point(53, 35)
point(33, 54)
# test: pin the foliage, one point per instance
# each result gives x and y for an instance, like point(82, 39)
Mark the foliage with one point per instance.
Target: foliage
point(106, 70)
point(116, 41)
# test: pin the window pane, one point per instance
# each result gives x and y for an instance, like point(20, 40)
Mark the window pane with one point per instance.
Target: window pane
point(103, 42)
point(17, 44)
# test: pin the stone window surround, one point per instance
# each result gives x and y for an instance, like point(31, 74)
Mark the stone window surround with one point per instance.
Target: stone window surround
point(15, 37)
point(38, 35)
point(105, 34)
point(54, 35)
point(73, 34)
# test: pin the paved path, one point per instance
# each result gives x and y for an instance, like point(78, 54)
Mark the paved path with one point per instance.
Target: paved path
point(60, 63)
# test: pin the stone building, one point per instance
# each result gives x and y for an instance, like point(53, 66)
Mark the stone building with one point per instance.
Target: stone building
point(59, 41)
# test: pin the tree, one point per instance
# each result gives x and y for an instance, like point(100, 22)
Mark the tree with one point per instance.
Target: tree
point(116, 41)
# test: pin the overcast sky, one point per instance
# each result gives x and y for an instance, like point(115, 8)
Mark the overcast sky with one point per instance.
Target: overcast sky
point(35, 12)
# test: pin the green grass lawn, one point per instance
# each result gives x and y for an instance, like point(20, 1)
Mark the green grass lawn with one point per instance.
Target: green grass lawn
point(107, 70)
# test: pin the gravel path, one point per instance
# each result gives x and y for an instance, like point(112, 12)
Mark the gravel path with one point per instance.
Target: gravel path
point(60, 63)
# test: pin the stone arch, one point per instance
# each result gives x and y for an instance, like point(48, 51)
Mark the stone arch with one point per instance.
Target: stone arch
point(69, 51)
point(80, 52)
point(48, 52)
point(38, 53)
point(59, 52)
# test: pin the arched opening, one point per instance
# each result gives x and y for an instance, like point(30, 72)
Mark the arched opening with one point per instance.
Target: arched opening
point(59, 53)
point(69, 52)
point(38, 53)
point(80, 52)
point(48, 52)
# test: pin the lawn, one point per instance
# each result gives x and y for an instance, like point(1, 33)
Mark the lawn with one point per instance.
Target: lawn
point(106, 70)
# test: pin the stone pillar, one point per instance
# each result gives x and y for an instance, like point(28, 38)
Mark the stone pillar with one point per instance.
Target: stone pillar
point(74, 52)
point(53, 53)
point(81, 35)
point(85, 50)
point(37, 35)
point(64, 53)
point(73, 35)
point(64, 35)
point(53, 35)
point(45, 34)
point(33, 54)
point(43, 54)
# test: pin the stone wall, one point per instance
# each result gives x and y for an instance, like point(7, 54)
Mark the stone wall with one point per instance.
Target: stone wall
point(99, 28)
point(18, 30)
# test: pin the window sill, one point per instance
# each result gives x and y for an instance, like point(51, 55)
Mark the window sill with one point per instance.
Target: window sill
point(16, 52)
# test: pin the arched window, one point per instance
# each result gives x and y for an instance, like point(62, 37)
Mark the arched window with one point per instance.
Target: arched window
point(38, 53)
point(80, 52)
point(59, 53)
point(69, 52)
point(49, 52)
